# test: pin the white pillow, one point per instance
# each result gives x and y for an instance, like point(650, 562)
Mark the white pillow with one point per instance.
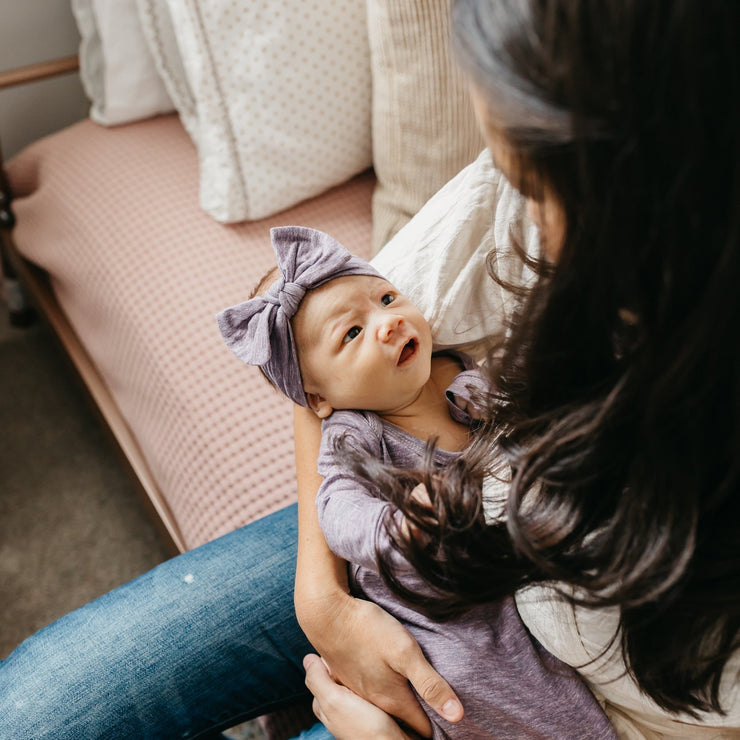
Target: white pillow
point(116, 67)
point(280, 97)
point(157, 27)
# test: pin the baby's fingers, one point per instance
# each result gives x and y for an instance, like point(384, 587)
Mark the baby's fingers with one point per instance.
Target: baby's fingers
point(421, 495)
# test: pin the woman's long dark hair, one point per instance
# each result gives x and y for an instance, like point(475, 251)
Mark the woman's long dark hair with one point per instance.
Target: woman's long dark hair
point(616, 397)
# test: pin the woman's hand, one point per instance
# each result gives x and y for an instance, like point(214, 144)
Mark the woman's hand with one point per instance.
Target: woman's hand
point(372, 654)
point(368, 651)
point(346, 715)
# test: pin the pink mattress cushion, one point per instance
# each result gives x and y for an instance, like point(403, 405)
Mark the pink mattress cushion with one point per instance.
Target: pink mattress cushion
point(141, 271)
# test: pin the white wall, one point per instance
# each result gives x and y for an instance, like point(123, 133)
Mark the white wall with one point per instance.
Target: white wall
point(37, 31)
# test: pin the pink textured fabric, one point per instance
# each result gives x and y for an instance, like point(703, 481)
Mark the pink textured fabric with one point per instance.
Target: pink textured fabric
point(141, 271)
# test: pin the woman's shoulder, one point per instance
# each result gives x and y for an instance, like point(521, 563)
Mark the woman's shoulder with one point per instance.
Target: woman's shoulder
point(551, 617)
point(589, 640)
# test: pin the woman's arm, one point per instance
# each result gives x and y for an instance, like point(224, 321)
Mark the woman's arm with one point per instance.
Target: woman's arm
point(320, 575)
point(367, 649)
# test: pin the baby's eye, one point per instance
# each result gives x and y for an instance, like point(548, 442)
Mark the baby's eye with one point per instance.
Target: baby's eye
point(351, 334)
point(387, 299)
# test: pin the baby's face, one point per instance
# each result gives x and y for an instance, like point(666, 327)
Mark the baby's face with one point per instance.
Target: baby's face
point(362, 345)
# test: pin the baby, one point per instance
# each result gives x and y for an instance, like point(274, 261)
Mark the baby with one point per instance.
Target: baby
point(333, 335)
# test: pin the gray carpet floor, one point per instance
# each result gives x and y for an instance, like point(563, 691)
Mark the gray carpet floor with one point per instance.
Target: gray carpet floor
point(71, 524)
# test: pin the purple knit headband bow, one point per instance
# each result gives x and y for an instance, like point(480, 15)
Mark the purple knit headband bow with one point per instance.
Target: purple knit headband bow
point(258, 331)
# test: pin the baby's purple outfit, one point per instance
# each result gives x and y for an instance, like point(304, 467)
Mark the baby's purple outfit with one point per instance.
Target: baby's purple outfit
point(510, 687)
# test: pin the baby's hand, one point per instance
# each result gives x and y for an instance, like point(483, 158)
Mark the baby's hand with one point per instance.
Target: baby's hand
point(466, 405)
point(467, 387)
point(421, 495)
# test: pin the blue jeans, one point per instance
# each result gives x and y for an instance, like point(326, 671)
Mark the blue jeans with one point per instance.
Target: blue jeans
point(317, 732)
point(200, 643)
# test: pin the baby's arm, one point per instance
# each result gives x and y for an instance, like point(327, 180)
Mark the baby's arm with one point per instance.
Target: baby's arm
point(352, 520)
point(351, 513)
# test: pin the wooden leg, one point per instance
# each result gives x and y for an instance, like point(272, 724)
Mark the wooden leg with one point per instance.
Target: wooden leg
point(20, 310)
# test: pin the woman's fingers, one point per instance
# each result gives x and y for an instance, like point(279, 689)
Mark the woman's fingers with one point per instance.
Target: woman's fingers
point(359, 640)
point(430, 686)
point(404, 705)
point(346, 715)
point(320, 683)
point(372, 654)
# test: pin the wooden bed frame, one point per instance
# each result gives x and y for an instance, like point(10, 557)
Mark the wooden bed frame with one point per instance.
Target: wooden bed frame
point(23, 281)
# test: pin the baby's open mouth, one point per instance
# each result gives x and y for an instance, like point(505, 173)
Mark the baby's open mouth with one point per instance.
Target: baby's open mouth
point(408, 351)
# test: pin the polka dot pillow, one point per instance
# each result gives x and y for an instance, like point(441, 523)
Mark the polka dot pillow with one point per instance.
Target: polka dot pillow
point(278, 96)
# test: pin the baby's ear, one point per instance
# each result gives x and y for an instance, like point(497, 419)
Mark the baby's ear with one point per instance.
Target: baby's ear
point(321, 407)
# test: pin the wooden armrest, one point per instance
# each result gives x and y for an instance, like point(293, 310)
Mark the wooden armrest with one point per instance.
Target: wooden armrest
point(40, 71)
point(22, 76)
point(21, 313)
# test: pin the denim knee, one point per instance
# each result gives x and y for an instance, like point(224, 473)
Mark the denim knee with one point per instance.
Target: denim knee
point(202, 641)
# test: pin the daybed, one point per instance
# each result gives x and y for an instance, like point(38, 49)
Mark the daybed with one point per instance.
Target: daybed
point(131, 234)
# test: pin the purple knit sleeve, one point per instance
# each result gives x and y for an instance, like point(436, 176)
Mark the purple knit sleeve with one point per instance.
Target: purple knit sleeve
point(350, 510)
point(464, 394)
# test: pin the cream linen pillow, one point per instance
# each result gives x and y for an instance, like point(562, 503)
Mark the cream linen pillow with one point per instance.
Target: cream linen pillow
point(440, 259)
point(277, 97)
point(116, 68)
point(424, 129)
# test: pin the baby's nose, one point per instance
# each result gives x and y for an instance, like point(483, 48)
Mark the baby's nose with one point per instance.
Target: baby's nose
point(387, 327)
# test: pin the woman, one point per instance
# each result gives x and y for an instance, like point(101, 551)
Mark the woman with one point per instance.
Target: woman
point(619, 409)
point(618, 384)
